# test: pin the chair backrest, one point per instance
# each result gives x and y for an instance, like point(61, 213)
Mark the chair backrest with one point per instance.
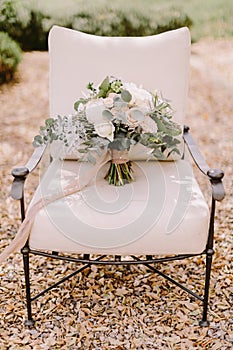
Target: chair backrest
point(158, 62)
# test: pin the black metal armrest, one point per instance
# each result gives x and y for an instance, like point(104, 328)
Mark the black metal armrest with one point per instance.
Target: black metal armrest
point(20, 174)
point(17, 187)
point(215, 175)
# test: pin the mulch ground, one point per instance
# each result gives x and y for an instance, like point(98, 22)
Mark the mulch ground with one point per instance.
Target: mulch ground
point(119, 308)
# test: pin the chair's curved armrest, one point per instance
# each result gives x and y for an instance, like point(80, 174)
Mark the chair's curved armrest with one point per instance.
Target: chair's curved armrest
point(20, 174)
point(35, 158)
point(215, 175)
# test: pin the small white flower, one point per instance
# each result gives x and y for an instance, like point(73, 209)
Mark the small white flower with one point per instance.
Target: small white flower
point(105, 130)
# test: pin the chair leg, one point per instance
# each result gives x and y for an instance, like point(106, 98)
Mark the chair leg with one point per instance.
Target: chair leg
point(25, 251)
point(209, 257)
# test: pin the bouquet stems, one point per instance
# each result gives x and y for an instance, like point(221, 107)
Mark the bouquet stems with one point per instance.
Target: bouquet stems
point(119, 174)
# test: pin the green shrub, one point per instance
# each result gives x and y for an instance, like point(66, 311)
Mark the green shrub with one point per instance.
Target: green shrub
point(24, 24)
point(29, 23)
point(116, 22)
point(10, 56)
point(9, 19)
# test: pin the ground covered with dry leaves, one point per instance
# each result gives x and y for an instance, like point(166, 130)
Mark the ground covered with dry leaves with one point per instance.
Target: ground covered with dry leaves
point(123, 308)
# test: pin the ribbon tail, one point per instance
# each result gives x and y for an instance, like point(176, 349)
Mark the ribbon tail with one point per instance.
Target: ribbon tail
point(26, 226)
point(19, 241)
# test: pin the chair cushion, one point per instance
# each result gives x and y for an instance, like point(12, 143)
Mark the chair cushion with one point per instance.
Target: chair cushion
point(161, 212)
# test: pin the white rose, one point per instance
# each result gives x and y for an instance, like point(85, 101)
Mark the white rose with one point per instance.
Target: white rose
point(105, 129)
point(135, 117)
point(94, 111)
point(140, 97)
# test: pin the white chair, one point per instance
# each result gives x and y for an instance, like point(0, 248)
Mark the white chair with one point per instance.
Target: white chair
point(163, 212)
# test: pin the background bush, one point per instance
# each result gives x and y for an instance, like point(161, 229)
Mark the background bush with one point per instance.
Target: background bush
point(10, 56)
point(29, 22)
point(24, 24)
point(116, 22)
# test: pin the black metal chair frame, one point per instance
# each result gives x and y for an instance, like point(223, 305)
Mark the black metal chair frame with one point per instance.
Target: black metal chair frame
point(214, 175)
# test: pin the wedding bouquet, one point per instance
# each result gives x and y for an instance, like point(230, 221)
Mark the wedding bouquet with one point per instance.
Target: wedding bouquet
point(113, 117)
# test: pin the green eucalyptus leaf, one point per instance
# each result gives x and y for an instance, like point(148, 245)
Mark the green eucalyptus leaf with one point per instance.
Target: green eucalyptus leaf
point(106, 113)
point(38, 138)
point(121, 144)
point(158, 154)
point(80, 101)
point(38, 141)
point(171, 141)
point(176, 150)
point(126, 96)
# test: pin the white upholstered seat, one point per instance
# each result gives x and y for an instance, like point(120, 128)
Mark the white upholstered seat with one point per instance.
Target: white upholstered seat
point(161, 212)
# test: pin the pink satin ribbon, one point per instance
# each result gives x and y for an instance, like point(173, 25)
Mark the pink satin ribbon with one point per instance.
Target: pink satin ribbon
point(26, 226)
